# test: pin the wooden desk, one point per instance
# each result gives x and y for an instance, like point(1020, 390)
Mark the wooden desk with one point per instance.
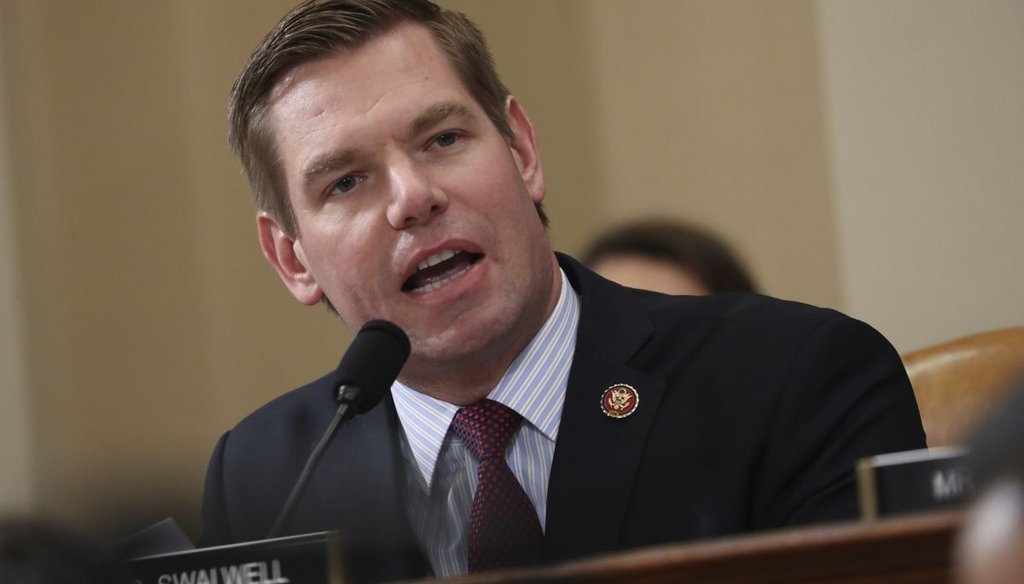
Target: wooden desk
point(907, 550)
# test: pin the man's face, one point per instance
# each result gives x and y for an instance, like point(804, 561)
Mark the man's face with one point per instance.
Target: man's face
point(410, 205)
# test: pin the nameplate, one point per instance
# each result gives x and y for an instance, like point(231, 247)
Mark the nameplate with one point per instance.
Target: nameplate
point(314, 558)
point(911, 481)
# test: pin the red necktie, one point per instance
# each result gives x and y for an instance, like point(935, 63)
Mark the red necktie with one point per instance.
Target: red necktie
point(503, 526)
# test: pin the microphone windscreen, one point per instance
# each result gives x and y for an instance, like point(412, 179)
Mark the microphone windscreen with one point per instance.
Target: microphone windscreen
point(372, 362)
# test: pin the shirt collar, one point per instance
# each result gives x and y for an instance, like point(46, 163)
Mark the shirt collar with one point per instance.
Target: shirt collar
point(534, 386)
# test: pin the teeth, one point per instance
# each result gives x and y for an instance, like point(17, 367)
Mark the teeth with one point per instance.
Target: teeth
point(436, 259)
point(438, 283)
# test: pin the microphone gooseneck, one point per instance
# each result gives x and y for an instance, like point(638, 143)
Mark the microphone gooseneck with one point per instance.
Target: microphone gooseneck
point(365, 372)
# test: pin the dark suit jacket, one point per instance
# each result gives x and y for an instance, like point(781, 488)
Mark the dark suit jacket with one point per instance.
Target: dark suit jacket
point(752, 413)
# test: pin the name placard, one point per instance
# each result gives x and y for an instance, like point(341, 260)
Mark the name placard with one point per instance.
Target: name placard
point(915, 480)
point(314, 558)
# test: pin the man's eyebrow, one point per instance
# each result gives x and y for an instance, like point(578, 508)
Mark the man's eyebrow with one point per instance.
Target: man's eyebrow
point(438, 112)
point(330, 162)
point(327, 163)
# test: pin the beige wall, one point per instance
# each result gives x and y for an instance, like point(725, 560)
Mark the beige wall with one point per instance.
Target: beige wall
point(926, 107)
point(151, 323)
point(711, 112)
point(15, 429)
point(148, 321)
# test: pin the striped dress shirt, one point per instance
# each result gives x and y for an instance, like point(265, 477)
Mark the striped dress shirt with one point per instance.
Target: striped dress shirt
point(442, 472)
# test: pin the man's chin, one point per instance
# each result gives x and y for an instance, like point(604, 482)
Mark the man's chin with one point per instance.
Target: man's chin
point(448, 352)
point(444, 348)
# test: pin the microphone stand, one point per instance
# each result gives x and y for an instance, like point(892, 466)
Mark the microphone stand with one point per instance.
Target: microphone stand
point(347, 395)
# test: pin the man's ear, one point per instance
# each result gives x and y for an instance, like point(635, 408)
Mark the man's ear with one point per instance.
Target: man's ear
point(524, 149)
point(285, 255)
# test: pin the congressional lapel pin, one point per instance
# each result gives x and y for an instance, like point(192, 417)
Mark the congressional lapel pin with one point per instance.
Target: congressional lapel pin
point(619, 400)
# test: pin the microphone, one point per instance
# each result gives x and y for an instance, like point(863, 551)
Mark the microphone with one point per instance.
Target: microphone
point(365, 372)
point(370, 365)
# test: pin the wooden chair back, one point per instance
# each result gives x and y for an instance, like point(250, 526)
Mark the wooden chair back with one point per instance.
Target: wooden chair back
point(957, 382)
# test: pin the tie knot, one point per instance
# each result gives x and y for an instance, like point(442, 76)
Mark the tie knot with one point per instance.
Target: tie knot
point(486, 428)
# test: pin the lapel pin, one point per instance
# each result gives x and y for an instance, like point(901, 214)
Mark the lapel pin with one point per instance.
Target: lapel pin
point(619, 400)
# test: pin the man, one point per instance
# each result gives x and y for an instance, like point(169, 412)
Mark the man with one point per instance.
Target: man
point(396, 178)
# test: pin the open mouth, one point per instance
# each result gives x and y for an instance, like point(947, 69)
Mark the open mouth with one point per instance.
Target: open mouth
point(439, 269)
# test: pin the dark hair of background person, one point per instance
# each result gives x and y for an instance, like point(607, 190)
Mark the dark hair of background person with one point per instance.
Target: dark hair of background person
point(997, 444)
point(319, 28)
point(36, 552)
point(691, 248)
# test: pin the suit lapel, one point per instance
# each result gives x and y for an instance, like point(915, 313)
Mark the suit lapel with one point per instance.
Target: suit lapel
point(596, 456)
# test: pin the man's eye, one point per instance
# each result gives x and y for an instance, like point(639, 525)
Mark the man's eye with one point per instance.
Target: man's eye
point(446, 139)
point(346, 184)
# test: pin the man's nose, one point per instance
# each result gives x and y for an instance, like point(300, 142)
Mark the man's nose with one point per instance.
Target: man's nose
point(415, 199)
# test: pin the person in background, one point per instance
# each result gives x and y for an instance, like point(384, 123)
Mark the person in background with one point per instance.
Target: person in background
point(668, 257)
point(991, 545)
